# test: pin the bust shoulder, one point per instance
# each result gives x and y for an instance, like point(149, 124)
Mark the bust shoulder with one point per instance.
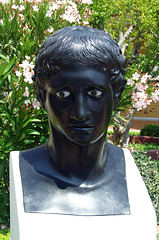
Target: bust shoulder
point(38, 158)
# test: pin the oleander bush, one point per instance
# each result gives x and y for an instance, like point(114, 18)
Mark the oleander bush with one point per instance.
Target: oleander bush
point(150, 130)
point(148, 169)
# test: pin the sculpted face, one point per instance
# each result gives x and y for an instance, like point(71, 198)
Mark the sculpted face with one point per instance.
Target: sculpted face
point(79, 102)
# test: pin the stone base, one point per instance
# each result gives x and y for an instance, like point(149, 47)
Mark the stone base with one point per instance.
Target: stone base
point(139, 225)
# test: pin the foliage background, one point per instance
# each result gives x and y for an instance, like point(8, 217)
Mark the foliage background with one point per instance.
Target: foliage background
point(24, 25)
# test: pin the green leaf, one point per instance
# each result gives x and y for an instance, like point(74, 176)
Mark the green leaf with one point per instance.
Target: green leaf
point(2, 56)
point(35, 120)
point(4, 77)
point(5, 67)
point(2, 168)
point(22, 137)
point(120, 117)
point(32, 132)
point(8, 144)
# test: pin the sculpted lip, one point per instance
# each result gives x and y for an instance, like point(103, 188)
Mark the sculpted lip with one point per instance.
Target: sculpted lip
point(87, 128)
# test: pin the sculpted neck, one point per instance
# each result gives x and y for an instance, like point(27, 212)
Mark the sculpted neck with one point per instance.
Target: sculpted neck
point(75, 161)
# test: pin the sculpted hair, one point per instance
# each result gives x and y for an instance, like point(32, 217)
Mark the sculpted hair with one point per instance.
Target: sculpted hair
point(90, 47)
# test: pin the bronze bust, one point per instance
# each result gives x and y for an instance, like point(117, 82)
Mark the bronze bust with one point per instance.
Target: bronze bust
point(79, 77)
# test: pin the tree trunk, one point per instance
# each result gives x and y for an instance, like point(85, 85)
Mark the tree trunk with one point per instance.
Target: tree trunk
point(121, 132)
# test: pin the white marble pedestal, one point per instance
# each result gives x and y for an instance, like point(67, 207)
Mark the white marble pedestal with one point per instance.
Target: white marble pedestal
point(139, 225)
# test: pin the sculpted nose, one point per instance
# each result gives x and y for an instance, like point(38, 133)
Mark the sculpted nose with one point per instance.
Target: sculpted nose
point(80, 111)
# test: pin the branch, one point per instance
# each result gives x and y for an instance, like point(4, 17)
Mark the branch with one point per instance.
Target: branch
point(123, 37)
point(154, 33)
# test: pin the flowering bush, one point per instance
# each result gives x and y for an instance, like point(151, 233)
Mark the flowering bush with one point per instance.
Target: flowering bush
point(143, 90)
point(139, 93)
point(24, 25)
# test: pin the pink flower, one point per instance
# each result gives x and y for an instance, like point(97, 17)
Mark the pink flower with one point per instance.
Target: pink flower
point(61, 2)
point(21, 16)
point(21, 8)
point(36, 104)
point(50, 30)
point(54, 6)
point(141, 103)
point(140, 100)
point(28, 76)
point(140, 87)
point(145, 77)
point(137, 105)
point(18, 73)
point(27, 58)
point(85, 23)
point(26, 93)
point(27, 69)
point(25, 27)
point(35, 8)
point(24, 64)
point(36, 1)
point(69, 2)
point(134, 96)
point(87, 1)
point(135, 76)
point(155, 95)
point(15, 6)
point(1, 21)
point(71, 13)
point(27, 102)
point(4, 1)
point(49, 13)
point(130, 82)
point(149, 101)
point(142, 94)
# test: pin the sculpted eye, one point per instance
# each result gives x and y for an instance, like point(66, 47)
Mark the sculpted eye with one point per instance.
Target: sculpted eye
point(95, 93)
point(62, 94)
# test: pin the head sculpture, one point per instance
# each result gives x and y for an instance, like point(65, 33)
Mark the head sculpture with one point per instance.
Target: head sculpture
point(84, 45)
point(79, 77)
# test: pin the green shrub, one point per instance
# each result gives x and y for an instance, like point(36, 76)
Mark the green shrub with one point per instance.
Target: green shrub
point(150, 130)
point(143, 147)
point(134, 133)
point(5, 234)
point(131, 133)
point(148, 169)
